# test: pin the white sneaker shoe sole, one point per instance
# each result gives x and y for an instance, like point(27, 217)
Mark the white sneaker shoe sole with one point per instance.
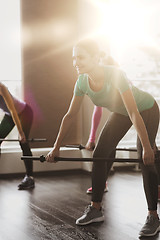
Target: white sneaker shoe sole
point(100, 219)
point(151, 234)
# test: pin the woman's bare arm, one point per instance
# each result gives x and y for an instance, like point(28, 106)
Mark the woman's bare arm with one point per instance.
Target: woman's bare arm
point(10, 104)
point(66, 123)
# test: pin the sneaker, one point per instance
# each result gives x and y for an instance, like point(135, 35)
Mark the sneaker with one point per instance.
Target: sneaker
point(90, 215)
point(89, 190)
point(27, 183)
point(151, 226)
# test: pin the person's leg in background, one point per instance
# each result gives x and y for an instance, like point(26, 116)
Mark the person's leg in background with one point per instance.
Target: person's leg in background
point(6, 126)
point(96, 117)
point(26, 118)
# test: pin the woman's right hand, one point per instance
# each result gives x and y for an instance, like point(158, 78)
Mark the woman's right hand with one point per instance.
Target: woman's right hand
point(148, 156)
point(52, 154)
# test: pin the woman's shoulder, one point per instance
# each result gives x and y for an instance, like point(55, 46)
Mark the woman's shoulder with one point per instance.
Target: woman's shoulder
point(82, 82)
point(82, 79)
point(112, 68)
point(111, 73)
point(2, 88)
point(114, 72)
point(2, 85)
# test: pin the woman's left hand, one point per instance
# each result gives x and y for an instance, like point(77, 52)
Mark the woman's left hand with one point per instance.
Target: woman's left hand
point(90, 146)
point(22, 137)
point(148, 156)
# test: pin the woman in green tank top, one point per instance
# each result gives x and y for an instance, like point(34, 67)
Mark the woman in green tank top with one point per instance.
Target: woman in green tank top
point(108, 86)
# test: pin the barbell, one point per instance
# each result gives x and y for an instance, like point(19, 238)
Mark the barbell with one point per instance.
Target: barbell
point(28, 140)
point(81, 147)
point(68, 159)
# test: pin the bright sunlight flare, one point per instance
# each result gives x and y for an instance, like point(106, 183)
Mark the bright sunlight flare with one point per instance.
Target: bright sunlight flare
point(128, 25)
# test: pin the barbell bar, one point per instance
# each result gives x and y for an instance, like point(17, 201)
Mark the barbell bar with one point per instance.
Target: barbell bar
point(80, 147)
point(28, 140)
point(66, 159)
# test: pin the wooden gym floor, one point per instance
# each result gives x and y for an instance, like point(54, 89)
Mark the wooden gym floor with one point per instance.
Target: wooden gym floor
point(49, 211)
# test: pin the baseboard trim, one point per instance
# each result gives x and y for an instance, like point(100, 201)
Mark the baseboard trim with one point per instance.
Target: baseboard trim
point(45, 173)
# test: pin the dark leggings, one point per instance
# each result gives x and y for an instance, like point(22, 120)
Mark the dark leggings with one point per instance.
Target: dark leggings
point(114, 130)
point(7, 124)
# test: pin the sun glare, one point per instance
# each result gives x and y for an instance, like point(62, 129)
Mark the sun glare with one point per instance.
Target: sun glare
point(126, 23)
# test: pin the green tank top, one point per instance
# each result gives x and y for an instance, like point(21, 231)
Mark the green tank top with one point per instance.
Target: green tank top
point(115, 83)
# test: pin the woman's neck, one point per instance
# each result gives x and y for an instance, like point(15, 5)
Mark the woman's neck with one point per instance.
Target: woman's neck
point(96, 79)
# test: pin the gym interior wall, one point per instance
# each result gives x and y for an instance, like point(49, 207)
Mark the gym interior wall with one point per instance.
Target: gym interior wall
point(49, 30)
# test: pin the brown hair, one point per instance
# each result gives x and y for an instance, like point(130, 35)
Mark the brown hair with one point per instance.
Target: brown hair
point(90, 46)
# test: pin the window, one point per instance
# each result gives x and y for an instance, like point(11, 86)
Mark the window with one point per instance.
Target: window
point(10, 52)
point(131, 31)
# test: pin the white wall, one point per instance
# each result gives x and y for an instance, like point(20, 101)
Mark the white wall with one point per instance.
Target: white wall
point(11, 162)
